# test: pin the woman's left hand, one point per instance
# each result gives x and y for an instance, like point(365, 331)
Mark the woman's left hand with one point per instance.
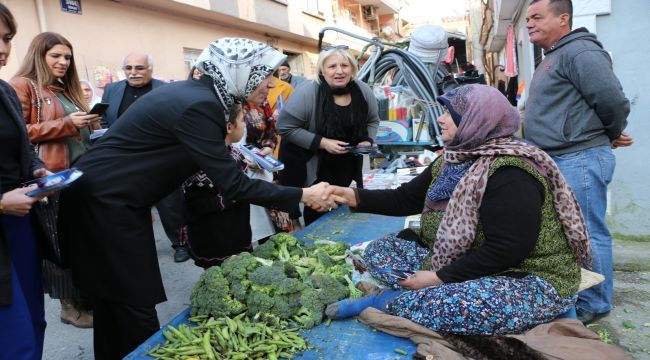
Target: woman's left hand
point(81, 119)
point(364, 143)
point(333, 146)
point(266, 151)
point(39, 173)
point(251, 165)
point(420, 280)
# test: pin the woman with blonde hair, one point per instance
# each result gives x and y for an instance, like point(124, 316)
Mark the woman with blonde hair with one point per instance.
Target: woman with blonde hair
point(321, 120)
point(55, 113)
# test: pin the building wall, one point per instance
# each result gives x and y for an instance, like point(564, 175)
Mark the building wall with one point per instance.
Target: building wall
point(623, 34)
point(108, 30)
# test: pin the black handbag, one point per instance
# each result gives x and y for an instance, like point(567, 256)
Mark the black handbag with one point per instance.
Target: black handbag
point(46, 213)
point(57, 277)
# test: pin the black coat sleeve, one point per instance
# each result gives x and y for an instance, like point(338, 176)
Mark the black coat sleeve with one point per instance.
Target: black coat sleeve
point(201, 133)
point(408, 199)
point(28, 152)
point(511, 216)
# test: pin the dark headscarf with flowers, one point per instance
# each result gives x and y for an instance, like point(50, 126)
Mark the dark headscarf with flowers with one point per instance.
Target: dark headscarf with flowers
point(486, 125)
point(237, 66)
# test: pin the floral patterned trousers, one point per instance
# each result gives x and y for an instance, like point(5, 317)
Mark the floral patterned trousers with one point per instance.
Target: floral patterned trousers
point(484, 306)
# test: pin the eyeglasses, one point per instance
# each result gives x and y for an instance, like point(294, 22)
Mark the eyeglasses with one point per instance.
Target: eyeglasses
point(332, 47)
point(131, 67)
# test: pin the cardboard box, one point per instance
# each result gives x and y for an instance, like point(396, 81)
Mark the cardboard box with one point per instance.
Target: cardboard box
point(394, 131)
point(424, 133)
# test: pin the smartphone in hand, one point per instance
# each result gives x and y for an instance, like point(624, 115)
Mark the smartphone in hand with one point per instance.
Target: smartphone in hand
point(99, 109)
point(398, 274)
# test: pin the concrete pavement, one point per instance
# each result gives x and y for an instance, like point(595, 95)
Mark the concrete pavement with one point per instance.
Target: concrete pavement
point(628, 324)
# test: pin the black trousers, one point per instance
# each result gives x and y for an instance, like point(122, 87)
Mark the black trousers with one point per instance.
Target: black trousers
point(215, 233)
point(120, 328)
point(170, 209)
point(295, 171)
point(337, 170)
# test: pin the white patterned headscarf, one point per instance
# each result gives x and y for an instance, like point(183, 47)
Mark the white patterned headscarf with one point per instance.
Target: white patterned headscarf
point(237, 66)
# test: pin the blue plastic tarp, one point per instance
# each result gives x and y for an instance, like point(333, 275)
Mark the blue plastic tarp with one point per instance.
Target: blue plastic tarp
point(342, 339)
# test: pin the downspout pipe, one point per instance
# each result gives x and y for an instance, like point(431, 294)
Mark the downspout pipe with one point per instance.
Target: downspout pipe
point(40, 9)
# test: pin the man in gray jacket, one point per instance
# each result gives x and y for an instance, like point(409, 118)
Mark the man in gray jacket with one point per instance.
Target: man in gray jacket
point(576, 111)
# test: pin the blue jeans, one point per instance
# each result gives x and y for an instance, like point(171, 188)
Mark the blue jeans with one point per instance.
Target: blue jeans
point(22, 324)
point(588, 172)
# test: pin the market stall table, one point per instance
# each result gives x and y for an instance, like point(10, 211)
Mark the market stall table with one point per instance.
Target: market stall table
point(342, 339)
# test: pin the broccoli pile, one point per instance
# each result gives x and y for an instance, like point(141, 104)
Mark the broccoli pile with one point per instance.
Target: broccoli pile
point(320, 291)
point(236, 269)
point(280, 246)
point(273, 291)
point(283, 277)
point(211, 296)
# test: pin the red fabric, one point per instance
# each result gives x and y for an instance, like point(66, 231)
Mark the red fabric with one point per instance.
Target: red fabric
point(511, 67)
point(449, 58)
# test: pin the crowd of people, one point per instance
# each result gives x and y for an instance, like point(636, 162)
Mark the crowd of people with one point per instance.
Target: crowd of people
point(506, 223)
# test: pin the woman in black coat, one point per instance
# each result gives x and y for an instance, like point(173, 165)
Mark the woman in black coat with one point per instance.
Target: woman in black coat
point(166, 136)
point(22, 314)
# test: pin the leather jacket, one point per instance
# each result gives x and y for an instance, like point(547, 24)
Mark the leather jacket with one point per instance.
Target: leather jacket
point(49, 127)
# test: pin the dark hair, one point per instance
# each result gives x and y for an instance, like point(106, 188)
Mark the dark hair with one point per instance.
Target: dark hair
point(235, 109)
point(8, 18)
point(560, 7)
point(35, 67)
point(286, 63)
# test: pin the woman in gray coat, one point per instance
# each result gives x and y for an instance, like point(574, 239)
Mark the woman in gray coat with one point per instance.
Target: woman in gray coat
point(322, 120)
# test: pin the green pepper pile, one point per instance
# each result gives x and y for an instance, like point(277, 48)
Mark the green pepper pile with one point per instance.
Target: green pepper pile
point(263, 337)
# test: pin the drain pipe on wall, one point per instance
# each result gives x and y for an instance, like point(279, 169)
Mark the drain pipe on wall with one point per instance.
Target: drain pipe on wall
point(40, 9)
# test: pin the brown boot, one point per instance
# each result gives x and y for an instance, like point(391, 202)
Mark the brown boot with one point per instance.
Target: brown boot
point(77, 318)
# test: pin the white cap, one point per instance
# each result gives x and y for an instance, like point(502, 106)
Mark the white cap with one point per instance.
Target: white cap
point(427, 41)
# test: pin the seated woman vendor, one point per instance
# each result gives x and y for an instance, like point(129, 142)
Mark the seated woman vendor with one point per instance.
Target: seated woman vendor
point(501, 239)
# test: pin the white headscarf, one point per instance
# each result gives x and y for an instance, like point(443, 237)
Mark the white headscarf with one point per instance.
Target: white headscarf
point(95, 99)
point(237, 66)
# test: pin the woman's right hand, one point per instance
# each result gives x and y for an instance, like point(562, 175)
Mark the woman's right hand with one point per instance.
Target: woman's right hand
point(421, 279)
point(333, 146)
point(16, 203)
point(346, 193)
point(81, 119)
point(320, 197)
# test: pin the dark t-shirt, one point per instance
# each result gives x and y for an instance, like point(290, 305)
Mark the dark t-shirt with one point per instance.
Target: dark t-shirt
point(131, 94)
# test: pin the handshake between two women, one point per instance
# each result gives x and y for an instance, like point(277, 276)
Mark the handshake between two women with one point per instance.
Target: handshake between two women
point(324, 197)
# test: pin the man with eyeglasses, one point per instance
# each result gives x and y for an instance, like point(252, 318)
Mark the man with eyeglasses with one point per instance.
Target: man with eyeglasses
point(138, 69)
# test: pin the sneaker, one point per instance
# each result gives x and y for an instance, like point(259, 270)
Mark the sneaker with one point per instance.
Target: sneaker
point(588, 317)
point(181, 254)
